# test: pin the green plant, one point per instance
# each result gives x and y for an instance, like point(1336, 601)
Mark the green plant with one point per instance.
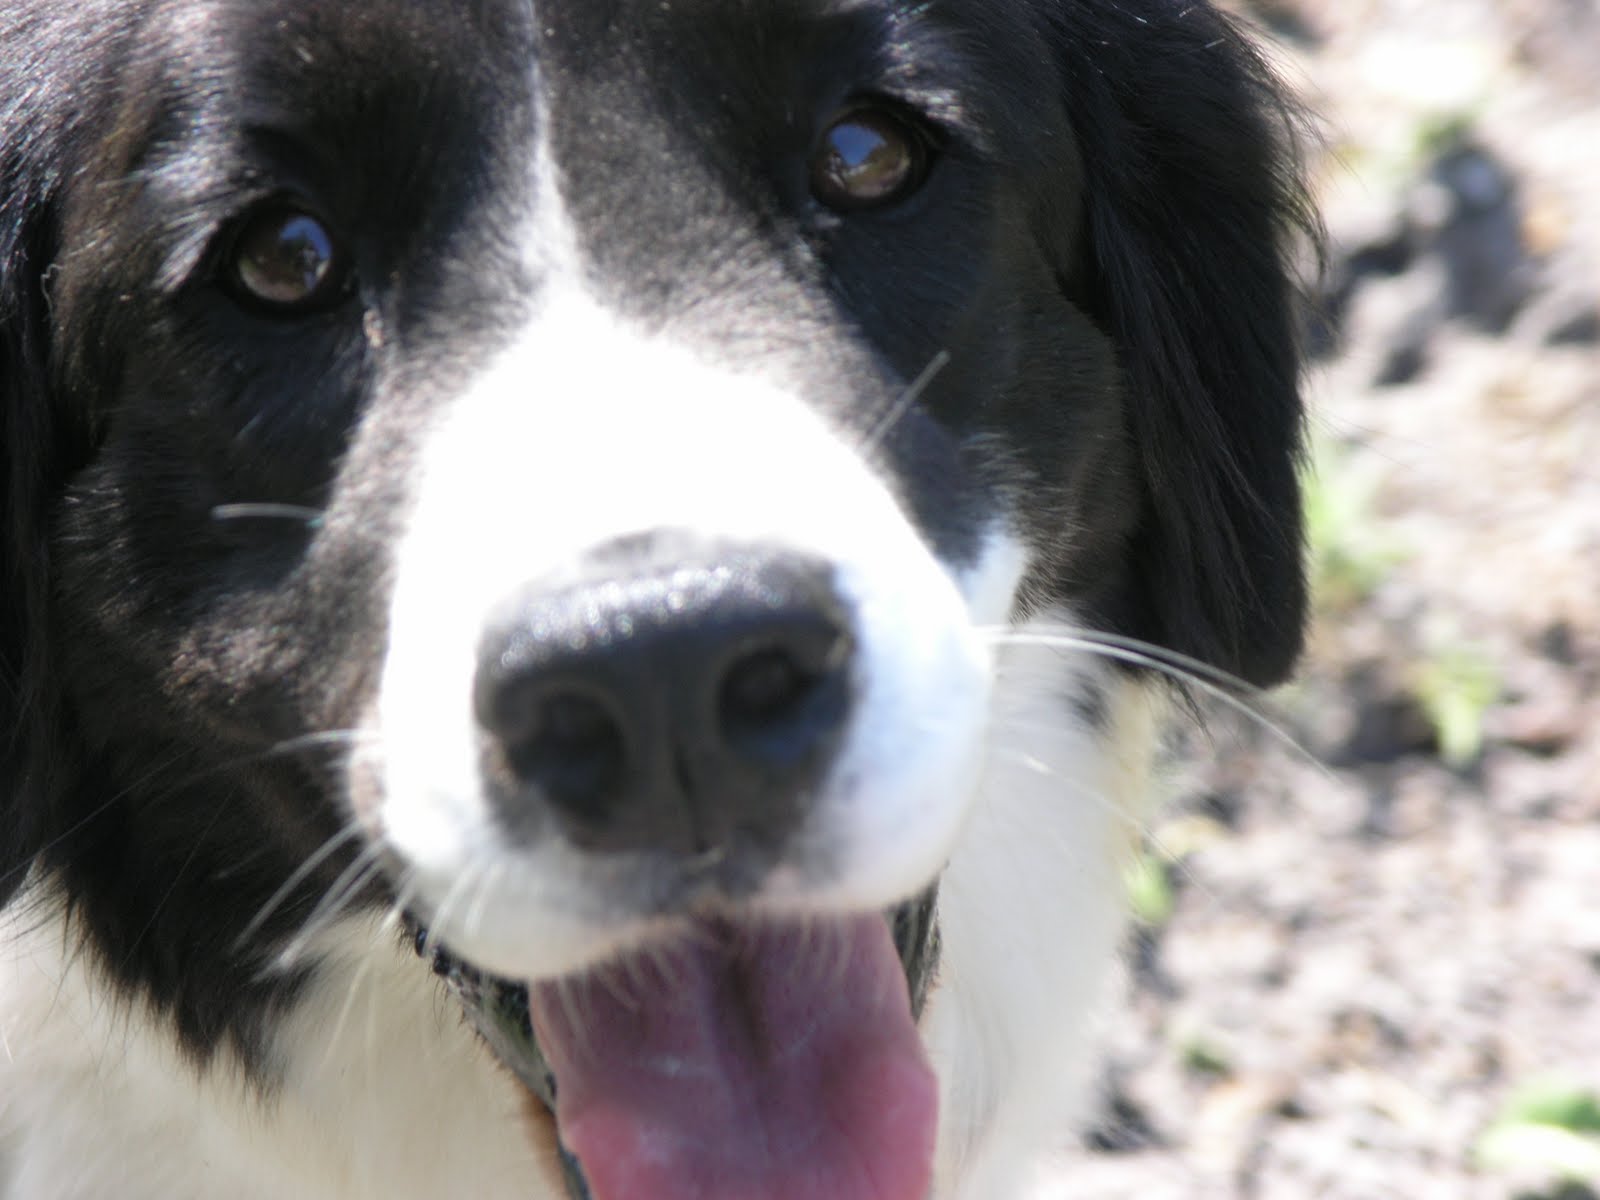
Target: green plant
point(1150, 892)
point(1549, 1125)
point(1456, 686)
point(1203, 1056)
point(1349, 551)
point(1148, 878)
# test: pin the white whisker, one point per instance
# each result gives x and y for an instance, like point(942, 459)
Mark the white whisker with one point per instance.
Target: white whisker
point(298, 876)
point(472, 919)
point(358, 980)
point(361, 871)
point(621, 984)
point(362, 738)
point(1211, 682)
point(906, 403)
point(1076, 637)
point(443, 912)
point(267, 511)
point(574, 1016)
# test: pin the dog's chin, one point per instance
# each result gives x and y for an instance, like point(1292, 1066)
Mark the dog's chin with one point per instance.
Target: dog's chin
point(768, 1057)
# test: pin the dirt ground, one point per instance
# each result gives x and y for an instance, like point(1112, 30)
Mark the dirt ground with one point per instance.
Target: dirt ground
point(1370, 960)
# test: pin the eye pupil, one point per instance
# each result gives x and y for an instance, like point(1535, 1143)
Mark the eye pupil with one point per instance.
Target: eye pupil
point(867, 159)
point(287, 259)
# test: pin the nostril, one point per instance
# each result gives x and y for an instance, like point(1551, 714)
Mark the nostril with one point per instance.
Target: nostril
point(563, 740)
point(675, 700)
point(777, 703)
point(763, 686)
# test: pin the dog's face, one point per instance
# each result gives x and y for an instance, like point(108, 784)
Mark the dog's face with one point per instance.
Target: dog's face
point(563, 469)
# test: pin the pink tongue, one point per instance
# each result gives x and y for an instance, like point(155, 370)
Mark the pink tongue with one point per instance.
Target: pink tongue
point(771, 1063)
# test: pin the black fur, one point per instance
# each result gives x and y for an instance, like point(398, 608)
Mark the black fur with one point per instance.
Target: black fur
point(153, 666)
point(1188, 215)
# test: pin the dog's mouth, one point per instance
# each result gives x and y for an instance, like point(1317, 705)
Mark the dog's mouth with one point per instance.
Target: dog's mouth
point(777, 1059)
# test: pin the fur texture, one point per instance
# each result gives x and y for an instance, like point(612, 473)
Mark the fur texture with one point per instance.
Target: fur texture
point(365, 367)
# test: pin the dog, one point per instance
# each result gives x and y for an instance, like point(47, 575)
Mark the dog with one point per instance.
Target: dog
point(592, 587)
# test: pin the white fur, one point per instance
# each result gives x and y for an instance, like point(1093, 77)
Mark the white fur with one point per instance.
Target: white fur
point(1031, 911)
point(586, 431)
point(385, 1094)
point(964, 750)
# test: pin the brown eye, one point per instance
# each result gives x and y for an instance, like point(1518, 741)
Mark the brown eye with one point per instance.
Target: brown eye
point(868, 158)
point(286, 259)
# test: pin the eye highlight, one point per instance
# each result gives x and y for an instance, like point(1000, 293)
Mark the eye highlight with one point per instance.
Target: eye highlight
point(870, 157)
point(288, 261)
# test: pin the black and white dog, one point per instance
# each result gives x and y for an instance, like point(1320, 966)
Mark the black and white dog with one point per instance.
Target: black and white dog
point(653, 503)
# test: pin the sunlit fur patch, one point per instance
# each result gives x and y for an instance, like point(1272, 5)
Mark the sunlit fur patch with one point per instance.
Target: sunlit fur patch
point(250, 555)
point(586, 431)
point(1054, 821)
point(370, 1056)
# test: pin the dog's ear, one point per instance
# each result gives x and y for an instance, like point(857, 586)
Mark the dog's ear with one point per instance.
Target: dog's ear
point(1193, 200)
point(28, 458)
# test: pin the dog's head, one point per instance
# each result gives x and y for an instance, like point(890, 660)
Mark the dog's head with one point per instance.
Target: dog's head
point(561, 468)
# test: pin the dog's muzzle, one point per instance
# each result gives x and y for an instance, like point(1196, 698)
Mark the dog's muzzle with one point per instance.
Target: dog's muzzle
point(689, 704)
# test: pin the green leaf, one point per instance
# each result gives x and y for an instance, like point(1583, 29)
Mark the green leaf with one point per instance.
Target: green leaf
point(1559, 1152)
point(1550, 1125)
point(1150, 890)
point(1457, 687)
point(1554, 1102)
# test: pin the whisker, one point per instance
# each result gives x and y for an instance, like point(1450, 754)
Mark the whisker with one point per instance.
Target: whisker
point(1081, 790)
point(572, 1011)
point(833, 957)
point(1178, 665)
point(172, 884)
point(99, 810)
point(325, 737)
point(181, 780)
point(1106, 872)
point(358, 981)
point(361, 871)
point(266, 511)
point(450, 903)
point(298, 876)
point(1209, 681)
point(399, 916)
point(1078, 786)
point(913, 393)
point(669, 968)
point(487, 880)
point(383, 930)
point(405, 891)
point(624, 986)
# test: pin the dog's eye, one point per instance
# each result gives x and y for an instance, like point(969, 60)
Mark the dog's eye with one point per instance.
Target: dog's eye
point(869, 158)
point(287, 260)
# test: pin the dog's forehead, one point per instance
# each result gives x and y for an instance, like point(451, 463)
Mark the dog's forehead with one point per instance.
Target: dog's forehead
point(677, 139)
point(679, 130)
point(777, 65)
point(494, 162)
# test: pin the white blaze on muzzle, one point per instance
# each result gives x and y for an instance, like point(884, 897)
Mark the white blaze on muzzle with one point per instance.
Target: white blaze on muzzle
point(584, 432)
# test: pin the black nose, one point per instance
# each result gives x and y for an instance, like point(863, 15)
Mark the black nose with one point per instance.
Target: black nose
point(683, 706)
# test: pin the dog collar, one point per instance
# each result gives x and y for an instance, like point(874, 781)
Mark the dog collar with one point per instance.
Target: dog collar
point(499, 1008)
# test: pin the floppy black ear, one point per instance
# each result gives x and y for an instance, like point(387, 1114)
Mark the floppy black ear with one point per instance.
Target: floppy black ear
point(28, 462)
point(1193, 196)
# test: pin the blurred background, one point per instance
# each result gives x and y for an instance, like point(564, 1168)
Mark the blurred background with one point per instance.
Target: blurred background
point(1367, 963)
